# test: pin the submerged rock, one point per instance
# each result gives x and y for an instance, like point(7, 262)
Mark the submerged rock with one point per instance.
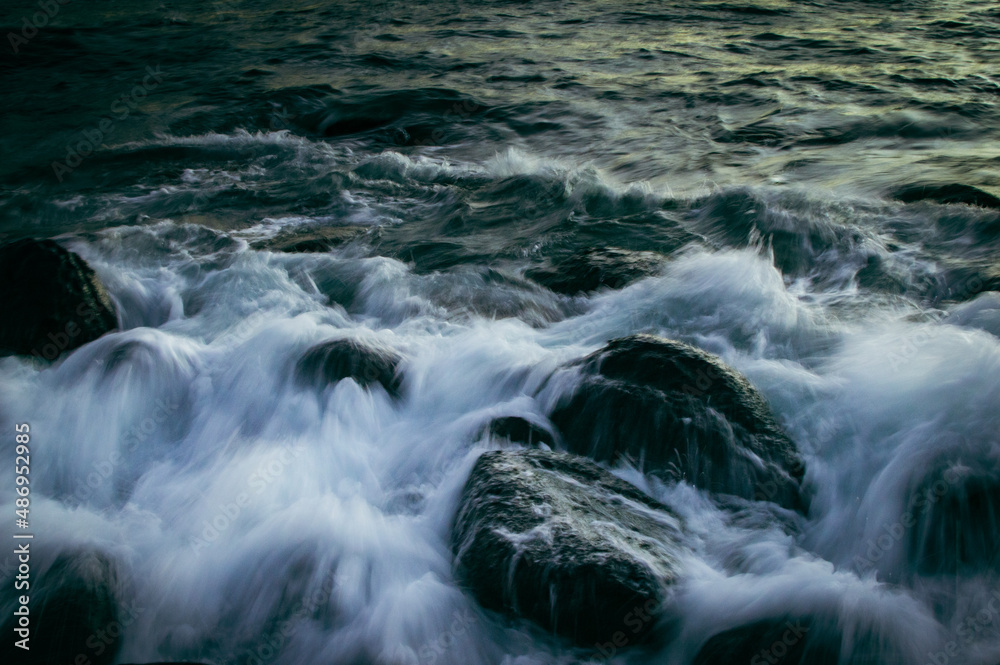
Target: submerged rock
point(51, 299)
point(595, 268)
point(520, 430)
point(800, 240)
point(950, 193)
point(74, 610)
point(337, 359)
point(878, 275)
point(956, 520)
point(790, 641)
point(679, 412)
point(558, 540)
point(311, 240)
point(825, 638)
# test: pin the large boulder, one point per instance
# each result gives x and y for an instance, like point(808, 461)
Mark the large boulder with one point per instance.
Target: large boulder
point(556, 539)
point(51, 299)
point(681, 413)
point(74, 610)
point(367, 363)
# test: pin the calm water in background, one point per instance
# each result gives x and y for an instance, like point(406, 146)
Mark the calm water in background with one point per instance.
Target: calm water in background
point(757, 148)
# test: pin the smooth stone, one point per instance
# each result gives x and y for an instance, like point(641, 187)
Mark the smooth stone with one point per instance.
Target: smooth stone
point(368, 364)
point(680, 413)
point(556, 539)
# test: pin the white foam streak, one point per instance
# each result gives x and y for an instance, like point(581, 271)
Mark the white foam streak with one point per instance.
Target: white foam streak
point(234, 495)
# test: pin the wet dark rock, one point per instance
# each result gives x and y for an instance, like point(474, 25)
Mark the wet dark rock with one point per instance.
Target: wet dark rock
point(822, 638)
point(956, 515)
point(337, 359)
point(680, 413)
point(311, 240)
point(74, 610)
point(52, 300)
point(877, 275)
point(520, 430)
point(951, 193)
point(592, 269)
point(556, 539)
point(790, 641)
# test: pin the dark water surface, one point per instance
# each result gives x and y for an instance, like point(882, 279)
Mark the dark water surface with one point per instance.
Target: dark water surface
point(815, 185)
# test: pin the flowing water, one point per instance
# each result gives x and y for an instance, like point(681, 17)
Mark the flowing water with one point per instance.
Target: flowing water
point(770, 153)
